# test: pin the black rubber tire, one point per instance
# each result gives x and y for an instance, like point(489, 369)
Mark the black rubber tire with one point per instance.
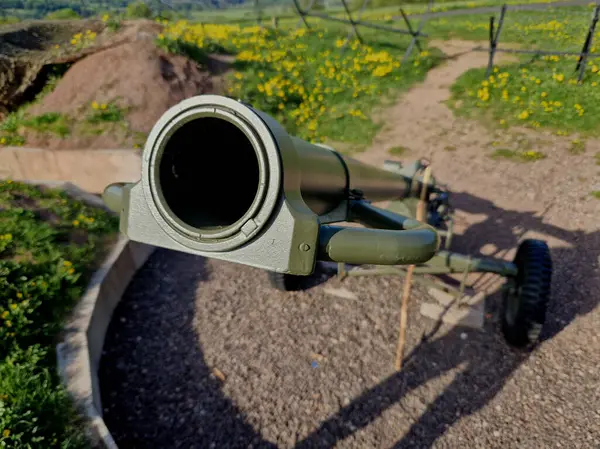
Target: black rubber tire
point(286, 282)
point(526, 299)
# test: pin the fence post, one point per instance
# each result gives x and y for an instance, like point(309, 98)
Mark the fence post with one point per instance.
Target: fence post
point(582, 62)
point(410, 30)
point(356, 33)
point(494, 39)
point(303, 13)
point(414, 39)
point(358, 16)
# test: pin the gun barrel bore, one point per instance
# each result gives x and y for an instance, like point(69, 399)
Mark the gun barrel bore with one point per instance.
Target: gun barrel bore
point(212, 171)
point(209, 173)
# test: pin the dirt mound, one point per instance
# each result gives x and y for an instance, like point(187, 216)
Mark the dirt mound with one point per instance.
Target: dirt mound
point(137, 77)
point(27, 49)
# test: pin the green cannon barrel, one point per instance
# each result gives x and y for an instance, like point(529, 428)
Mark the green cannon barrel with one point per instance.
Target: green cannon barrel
point(222, 179)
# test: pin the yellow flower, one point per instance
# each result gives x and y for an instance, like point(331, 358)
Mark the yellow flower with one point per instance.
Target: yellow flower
point(594, 84)
point(544, 94)
point(19, 295)
point(13, 306)
point(105, 18)
point(95, 105)
point(2, 140)
point(502, 122)
point(73, 41)
point(161, 36)
point(6, 433)
point(5, 314)
point(71, 271)
point(8, 323)
point(75, 222)
point(66, 263)
point(103, 106)
point(594, 68)
point(524, 115)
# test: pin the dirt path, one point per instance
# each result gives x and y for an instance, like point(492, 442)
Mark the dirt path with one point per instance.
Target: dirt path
point(310, 370)
point(558, 187)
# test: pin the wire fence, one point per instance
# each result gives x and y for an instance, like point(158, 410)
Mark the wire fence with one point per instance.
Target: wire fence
point(583, 55)
point(356, 22)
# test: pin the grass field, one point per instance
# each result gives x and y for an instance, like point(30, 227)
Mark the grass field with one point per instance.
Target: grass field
point(540, 92)
point(48, 244)
point(303, 78)
point(538, 95)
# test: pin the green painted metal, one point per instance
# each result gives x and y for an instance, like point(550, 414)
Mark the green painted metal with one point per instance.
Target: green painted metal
point(401, 271)
point(377, 246)
point(223, 180)
point(457, 263)
point(369, 215)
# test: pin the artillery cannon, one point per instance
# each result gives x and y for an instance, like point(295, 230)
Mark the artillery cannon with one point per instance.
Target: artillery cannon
point(223, 180)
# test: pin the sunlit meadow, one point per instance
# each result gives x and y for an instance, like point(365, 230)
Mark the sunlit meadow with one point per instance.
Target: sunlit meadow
point(316, 84)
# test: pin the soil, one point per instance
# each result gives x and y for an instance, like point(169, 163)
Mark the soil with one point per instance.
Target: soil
point(125, 68)
point(137, 76)
point(202, 353)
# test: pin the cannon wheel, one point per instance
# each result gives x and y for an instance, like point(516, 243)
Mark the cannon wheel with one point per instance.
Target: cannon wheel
point(286, 282)
point(526, 299)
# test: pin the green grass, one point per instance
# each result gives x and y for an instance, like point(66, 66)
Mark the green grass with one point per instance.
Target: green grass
point(597, 158)
point(52, 122)
point(577, 147)
point(304, 78)
point(541, 95)
point(398, 151)
point(105, 113)
point(517, 155)
point(596, 194)
point(48, 246)
point(540, 92)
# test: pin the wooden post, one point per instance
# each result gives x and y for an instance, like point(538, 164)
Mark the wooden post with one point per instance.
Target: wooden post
point(582, 62)
point(354, 29)
point(302, 13)
point(494, 40)
point(421, 216)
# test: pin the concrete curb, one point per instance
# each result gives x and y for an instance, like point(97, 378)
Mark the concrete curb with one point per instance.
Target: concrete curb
point(80, 348)
point(92, 170)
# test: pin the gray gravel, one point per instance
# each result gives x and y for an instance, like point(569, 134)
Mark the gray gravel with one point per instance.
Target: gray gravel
point(310, 370)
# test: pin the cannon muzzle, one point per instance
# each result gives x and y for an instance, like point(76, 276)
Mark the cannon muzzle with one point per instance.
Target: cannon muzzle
point(223, 180)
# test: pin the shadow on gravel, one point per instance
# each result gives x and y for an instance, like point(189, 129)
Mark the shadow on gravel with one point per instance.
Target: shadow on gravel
point(488, 361)
point(162, 408)
point(155, 370)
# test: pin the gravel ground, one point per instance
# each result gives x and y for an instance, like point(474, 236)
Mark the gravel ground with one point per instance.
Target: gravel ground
point(312, 370)
point(203, 354)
